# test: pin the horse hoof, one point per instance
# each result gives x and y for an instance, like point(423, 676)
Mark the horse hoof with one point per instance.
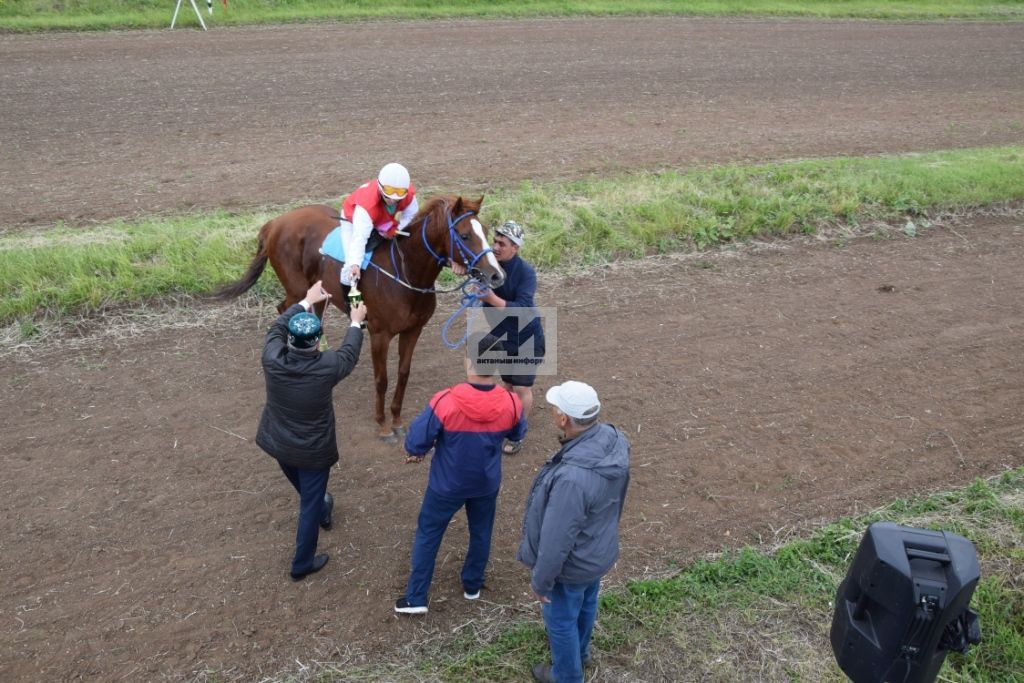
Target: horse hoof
point(399, 431)
point(388, 438)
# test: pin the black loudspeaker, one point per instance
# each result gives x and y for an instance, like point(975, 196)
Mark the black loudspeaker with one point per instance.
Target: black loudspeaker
point(903, 605)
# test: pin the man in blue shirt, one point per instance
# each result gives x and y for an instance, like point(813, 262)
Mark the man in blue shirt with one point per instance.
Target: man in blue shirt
point(518, 291)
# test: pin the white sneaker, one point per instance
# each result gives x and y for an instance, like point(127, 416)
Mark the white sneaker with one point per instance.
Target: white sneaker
point(402, 606)
point(471, 596)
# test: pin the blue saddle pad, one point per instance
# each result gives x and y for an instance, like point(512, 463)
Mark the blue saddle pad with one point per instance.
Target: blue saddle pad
point(333, 247)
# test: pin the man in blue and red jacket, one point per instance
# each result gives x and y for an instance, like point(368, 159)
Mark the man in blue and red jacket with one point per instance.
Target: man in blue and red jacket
point(466, 426)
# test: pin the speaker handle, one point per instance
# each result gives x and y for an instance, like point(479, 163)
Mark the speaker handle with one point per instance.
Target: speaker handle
point(858, 609)
point(920, 554)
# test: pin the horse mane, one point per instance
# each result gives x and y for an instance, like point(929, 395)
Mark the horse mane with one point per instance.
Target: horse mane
point(435, 208)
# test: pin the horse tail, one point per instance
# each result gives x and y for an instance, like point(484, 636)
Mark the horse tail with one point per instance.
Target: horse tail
point(236, 289)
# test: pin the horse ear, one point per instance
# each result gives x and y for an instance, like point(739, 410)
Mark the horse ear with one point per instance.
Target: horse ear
point(471, 205)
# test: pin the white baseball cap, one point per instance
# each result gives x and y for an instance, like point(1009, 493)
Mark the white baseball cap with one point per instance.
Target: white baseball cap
point(575, 399)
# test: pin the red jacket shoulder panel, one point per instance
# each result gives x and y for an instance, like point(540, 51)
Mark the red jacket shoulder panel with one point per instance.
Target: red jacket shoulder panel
point(368, 196)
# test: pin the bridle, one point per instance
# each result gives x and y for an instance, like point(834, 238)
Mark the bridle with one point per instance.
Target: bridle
point(469, 257)
point(454, 240)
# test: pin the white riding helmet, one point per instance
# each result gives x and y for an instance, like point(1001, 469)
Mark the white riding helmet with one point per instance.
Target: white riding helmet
point(393, 181)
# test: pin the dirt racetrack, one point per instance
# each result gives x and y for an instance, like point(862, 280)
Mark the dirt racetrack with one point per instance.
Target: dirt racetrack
point(118, 124)
point(144, 536)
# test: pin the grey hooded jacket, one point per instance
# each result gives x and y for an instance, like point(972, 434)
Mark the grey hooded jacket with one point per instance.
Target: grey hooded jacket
point(571, 523)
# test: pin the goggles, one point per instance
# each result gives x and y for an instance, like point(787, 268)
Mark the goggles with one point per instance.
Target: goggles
point(394, 191)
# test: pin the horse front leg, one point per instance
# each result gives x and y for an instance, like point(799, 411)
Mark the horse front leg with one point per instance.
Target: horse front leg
point(406, 343)
point(379, 346)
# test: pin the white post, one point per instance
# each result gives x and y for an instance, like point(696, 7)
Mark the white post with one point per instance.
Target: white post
point(194, 8)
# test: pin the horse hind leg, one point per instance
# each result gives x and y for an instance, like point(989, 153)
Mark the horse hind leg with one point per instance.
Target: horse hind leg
point(294, 282)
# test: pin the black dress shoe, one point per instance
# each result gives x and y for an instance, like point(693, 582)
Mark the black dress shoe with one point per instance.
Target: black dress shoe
point(326, 521)
point(319, 562)
point(542, 673)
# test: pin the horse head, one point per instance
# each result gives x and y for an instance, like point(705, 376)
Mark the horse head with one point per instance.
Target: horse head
point(457, 234)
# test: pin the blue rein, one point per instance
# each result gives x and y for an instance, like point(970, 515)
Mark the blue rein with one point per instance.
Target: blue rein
point(470, 299)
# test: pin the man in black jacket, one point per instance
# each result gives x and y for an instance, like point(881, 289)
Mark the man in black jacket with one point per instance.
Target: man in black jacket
point(297, 425)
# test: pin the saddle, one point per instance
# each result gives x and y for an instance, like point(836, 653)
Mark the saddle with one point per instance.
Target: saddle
point(333, 247)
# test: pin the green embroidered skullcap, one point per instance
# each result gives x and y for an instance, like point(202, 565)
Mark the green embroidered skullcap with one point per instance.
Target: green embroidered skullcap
point(303, 330)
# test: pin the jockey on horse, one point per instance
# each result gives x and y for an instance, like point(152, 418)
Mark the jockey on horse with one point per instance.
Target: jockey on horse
point(378, 210)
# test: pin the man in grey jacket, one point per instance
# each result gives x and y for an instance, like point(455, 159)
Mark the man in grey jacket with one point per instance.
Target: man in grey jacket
point(571, 527)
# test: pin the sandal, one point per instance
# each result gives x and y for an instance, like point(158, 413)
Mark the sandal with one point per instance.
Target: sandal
point(511, 447)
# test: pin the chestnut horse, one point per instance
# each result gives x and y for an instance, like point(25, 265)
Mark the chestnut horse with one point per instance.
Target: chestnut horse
point(397, 285)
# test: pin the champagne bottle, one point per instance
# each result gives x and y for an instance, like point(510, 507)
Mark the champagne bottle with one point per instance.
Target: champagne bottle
point(355, 297)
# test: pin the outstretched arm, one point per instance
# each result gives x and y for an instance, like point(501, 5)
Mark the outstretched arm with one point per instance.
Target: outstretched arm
point(355, 248)
point(277, 336)
point(408, 213)
point(348, 352)
point(314, 295)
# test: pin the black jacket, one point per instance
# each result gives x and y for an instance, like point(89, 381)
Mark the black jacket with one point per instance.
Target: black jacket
point(297, 425)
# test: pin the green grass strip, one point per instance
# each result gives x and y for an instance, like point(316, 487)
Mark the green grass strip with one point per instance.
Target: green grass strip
point(47, 274)
point(40, 15)
point(755, 615)
point(69, 272)
point(601, 220)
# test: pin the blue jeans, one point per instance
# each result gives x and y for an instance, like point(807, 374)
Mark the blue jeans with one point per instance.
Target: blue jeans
point(435, 514)
point(311, 485)
point(569, 621)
